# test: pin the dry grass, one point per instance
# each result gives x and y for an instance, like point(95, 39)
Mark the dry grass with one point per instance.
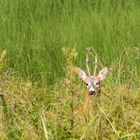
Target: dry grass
point(28, 111)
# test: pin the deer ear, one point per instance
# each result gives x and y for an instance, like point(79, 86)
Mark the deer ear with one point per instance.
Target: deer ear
point(103, 73)
point(82, 74)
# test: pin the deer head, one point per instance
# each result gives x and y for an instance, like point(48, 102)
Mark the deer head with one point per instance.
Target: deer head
point(92, 81)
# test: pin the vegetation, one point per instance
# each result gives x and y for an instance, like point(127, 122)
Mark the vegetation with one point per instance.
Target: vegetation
point(39, 89)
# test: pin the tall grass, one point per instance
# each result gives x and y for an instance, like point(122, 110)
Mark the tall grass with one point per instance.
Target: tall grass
point(28, 111)
point(34, 32)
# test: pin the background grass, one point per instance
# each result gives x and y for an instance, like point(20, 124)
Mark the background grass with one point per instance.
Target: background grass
point(34, 32)
point(37, 102)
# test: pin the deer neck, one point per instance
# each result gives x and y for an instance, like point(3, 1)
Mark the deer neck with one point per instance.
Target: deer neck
point(88, 101)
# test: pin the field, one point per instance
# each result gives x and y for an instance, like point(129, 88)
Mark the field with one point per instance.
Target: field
point(44, 40)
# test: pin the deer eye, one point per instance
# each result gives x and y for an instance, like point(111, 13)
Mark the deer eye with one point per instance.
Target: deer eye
point(97, 83)
point(86, 84)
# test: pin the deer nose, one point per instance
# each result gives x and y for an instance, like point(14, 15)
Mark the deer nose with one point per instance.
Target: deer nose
point(91, 92)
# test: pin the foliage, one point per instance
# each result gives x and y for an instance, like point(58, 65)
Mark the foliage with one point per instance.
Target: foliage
point(48, 113)
point(39, 87)
point(34, 32)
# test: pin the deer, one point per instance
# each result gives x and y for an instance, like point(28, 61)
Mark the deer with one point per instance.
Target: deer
point(92, 82)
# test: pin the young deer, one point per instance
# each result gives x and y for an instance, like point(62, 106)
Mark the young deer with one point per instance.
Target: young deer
point(92, 83)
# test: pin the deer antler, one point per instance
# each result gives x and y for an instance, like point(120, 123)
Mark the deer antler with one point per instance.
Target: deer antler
point(87, 61)
point(95, 65)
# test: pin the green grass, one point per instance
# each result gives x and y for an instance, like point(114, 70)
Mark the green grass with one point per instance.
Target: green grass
point(33, 32)
point(28, 111)
point(36, 101)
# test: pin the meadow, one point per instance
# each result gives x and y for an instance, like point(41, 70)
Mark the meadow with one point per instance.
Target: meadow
point(43, 41)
